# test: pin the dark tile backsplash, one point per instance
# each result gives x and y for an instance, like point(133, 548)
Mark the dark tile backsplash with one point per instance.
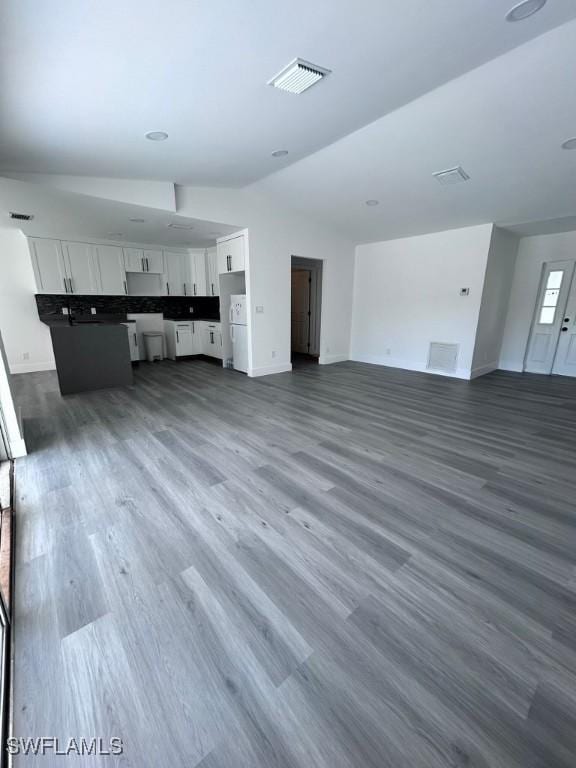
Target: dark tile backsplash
point(205, 307)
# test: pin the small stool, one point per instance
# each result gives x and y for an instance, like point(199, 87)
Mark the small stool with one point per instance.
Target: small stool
point(154, 345)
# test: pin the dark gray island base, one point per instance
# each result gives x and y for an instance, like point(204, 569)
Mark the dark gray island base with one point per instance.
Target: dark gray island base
point(91, 356)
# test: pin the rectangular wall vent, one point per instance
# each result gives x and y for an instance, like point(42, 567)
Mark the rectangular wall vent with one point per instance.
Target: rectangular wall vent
point(298, 76)
point(451, 176)
point(442, 357)
point(21, 216)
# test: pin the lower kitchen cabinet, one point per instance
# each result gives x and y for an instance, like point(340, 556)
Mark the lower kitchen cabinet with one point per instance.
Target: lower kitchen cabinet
point(212, 335)
point(193, 337)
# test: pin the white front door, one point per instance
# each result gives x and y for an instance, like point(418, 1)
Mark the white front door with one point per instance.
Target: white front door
point(300, 316)
point(565, 359)
point(549, 316)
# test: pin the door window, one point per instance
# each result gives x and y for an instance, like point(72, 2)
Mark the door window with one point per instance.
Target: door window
point(550, 298)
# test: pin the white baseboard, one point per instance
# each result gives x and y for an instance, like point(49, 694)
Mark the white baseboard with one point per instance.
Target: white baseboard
point(407, 365)
point(267, 370)
point(31, 367)
point(514, 367)
point(329, 359)
point(481, 370)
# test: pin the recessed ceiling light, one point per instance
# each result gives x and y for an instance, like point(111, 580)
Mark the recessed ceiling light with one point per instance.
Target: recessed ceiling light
point(451, 176)
point(372, 202)
point(569, 143)
point(298, 76)
point(137, 220)
point(525, 9)
point(175, 225)
point(279, 153)
point(157, 135)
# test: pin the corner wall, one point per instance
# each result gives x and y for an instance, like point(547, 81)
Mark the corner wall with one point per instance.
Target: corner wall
point(533, 253)
point(22, 331)
point(407, 294)
point(494, 304)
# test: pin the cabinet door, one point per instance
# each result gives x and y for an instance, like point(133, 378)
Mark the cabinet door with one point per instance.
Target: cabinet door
point(231, 255)
point(198, 274)
point(153, 261)
point(134, 259)
point(213, 340)
point(110, 263)
point(173, 267)
point(198, 328)
point(48, 264)
point(184, 339)
point(81, 267)
point(213, 286)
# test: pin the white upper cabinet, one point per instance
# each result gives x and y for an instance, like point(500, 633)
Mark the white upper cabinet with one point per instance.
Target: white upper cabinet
point(154, 261)
point(80, 263)
point(231, 254)
point(178, 273)
point(198, 263)
point(213, 283)
point(143, 260)
point(110, 262)
point(48, 264)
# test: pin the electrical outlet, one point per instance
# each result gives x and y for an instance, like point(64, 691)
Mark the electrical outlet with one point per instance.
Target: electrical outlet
point(65, 311)
point(26, 356)
point(92, 310)
point(273, 353)
point(464, 291)
point(191, 310)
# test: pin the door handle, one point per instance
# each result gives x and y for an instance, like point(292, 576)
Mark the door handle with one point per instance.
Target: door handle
point(565, 328)
point(168, 288)
point(142, 260)
point(566, 319)
point(231, 333)
point(135, 340)
point(70, 283)
point(212, 284)
point(194, 289)
point(125, 288)
point(184, 289)
point(65, 285)
point(177, 338)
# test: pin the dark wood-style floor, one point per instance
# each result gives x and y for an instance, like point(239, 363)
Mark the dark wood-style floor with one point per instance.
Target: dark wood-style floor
point(343, 567)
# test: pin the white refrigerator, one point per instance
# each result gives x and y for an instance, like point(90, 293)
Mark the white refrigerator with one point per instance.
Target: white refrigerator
point(239, 331)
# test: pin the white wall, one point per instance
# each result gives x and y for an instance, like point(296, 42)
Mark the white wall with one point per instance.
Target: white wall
point(8, 409)
point(533, 253)
point(277, 234)
point(26, 340)
point(494, 304)
point(407, 294)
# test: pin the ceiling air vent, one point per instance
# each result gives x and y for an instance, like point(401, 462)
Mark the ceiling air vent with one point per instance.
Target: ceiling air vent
point(298, 76)
point(442, 357)
point(451, 176)
point(21, 216)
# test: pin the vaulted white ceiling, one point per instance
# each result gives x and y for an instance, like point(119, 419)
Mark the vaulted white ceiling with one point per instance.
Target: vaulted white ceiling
point(503, 122)
point(82, 82)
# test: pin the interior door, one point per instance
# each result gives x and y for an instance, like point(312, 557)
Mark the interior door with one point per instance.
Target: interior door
point(548, 316)
point(565, 358)
point(81, 267)
point(300, 316)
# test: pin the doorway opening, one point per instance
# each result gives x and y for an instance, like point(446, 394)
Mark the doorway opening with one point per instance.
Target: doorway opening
point(306, 310)
point(552, 344)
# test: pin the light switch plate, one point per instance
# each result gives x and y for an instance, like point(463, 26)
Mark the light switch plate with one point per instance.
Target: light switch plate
point(464, 291)
point(260, 310)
